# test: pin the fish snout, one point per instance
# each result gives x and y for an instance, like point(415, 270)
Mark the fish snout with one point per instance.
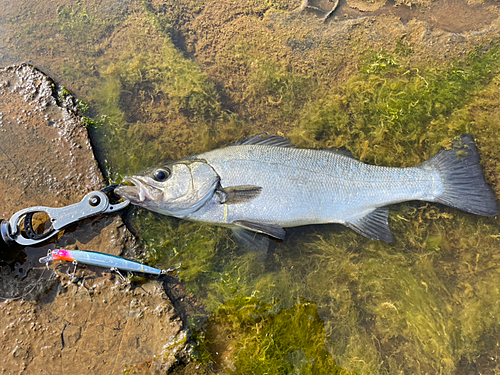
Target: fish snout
point(128, 191)
point(137, 191)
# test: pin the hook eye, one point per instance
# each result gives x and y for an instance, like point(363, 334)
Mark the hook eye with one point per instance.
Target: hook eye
point(46, 259)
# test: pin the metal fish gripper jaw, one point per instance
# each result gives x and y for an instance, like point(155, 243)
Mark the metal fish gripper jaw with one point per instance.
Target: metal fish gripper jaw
point(20, 228)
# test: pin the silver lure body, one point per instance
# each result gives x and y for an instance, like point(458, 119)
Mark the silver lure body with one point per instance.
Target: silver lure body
point(306, 186)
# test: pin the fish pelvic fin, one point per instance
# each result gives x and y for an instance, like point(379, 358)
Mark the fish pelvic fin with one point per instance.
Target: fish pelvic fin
point(272, 230)
point(462, 176)
point(374, 226)
point(252, 241)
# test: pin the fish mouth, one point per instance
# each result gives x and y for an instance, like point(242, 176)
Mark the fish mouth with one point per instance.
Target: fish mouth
point(135, 190)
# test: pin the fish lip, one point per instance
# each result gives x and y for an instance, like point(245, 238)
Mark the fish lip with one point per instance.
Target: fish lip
point(137, 192)
point(129, 192)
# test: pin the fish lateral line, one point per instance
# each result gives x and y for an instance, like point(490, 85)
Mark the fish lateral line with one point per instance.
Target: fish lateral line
point(94, 258)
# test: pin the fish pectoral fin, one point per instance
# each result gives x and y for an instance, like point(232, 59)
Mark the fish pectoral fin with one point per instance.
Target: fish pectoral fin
point(374, 225)
point(239, 194)
point(272, 230)
point(252, 241)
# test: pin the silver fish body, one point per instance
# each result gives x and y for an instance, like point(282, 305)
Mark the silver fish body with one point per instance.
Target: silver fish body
point(264, 184)
point(305, 186)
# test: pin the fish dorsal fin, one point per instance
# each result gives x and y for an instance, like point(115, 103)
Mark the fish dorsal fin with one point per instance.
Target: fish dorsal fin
point(238, 194)
point(375, 225)
point(341, 151)
point(272, 230)
point(265, 139)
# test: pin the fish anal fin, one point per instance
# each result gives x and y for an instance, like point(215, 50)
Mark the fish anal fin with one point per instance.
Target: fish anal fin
point(375, 225)
point(272, 230)
point(239, 194)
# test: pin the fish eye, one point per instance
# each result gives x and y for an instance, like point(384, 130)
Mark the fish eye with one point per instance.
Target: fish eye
point(161, 174)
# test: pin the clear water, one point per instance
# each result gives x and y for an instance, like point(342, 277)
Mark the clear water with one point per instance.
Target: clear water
point(166, 80)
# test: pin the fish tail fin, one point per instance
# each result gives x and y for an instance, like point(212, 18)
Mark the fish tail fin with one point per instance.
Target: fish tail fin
point(462, 175)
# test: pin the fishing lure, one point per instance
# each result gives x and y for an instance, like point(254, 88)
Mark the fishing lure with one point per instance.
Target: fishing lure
point(94, 258)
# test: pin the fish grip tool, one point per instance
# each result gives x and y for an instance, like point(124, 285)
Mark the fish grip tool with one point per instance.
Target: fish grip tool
point(94, 203)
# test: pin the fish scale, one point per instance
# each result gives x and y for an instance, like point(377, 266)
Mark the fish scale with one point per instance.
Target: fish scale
point(303, 186)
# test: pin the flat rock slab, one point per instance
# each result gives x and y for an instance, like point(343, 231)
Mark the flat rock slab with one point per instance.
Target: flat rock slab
point(45, 156)
point(48, 324)
point(100, 327)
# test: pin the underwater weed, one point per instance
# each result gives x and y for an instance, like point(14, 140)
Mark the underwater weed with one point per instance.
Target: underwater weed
point(380, 62)
point(291, 341)
point(80, 25)
point(169, 16)
point(168, 73)
point(154, 95)
point(168, 243)
point(276, 86)
point(386, 111)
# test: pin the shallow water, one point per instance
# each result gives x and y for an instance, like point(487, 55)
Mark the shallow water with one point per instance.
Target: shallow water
point(164, 80)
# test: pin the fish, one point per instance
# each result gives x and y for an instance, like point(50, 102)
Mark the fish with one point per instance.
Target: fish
point(260, 185)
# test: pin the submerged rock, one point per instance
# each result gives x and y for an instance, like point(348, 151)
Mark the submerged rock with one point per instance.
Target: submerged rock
point(92, 323)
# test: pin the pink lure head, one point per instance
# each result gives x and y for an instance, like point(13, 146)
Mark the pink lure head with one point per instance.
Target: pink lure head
point(61, 254)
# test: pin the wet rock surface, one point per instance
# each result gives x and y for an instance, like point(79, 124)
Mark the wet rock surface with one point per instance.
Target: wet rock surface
point(40, 134)
point(51, 322)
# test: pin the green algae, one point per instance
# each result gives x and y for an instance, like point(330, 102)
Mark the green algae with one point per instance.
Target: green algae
point(276, 86)
point(388, 111)
point(152, 92)
point(272, 91)
point(168, 244)
point(78, 22)
point(291, 341)
point(167, 72)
